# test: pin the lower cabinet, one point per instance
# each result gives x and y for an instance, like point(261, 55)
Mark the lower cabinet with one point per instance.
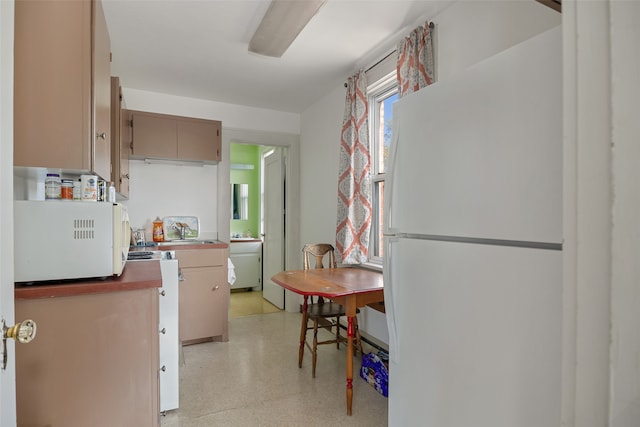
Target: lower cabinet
point(247, 260)
point(94, 361)
point(204, 295)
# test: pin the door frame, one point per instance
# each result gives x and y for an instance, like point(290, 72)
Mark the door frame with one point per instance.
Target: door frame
point(292, 192)
point(7, 377)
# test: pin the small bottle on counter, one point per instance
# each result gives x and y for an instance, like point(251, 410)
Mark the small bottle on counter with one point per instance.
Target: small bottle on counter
point(102, 190)
point(158, 232)
point(111, 193)
point(52, 186)
point(77, 189)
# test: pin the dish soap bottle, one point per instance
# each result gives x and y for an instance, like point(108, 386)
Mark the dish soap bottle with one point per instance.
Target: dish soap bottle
point(158, 233)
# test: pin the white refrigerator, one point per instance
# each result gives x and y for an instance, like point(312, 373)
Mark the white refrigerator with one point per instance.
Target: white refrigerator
point(473, 245)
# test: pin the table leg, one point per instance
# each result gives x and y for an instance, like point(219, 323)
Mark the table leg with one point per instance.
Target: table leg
point(350, 334)
point(303, 331)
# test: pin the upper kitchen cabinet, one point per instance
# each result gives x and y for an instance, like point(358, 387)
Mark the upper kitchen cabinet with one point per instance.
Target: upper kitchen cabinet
point(62, 92)
point(174, 137)
point(120, 139)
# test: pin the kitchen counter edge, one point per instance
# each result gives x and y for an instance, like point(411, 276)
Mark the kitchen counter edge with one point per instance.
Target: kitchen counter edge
point(166, 246)
point(136, 275)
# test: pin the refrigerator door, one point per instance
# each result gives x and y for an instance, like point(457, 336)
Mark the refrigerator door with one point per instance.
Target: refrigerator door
point(479, 335)
point(479, 155)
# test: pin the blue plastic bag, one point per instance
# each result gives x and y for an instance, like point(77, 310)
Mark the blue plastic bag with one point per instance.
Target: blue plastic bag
point(374, 371)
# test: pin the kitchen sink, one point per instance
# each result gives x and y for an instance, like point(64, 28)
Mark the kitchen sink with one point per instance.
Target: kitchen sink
point(186, 242)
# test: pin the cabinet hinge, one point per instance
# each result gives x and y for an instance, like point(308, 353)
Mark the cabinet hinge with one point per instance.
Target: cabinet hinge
point(217, 132)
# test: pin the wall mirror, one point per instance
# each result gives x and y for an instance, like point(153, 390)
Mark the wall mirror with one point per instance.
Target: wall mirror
point(240, 201)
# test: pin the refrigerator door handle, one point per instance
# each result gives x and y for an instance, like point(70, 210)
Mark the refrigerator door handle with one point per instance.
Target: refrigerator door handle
point(390, 293)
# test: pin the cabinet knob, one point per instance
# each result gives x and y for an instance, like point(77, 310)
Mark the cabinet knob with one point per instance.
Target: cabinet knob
point(164, 368)
point(163, 293)
point(216, 287)
point(163, 330)
point(126, 175)
point(102, 135)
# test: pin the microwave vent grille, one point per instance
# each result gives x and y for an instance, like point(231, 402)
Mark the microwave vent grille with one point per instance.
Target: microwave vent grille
point(83, 229)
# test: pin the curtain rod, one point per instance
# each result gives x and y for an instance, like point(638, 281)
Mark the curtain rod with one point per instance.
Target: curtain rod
point(431, 25)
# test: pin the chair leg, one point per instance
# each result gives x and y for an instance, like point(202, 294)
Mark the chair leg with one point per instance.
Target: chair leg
point(303, 331)
point(315, 348)
point(338, 332)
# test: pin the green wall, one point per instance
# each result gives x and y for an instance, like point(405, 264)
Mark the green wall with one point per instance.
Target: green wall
point(247, 155)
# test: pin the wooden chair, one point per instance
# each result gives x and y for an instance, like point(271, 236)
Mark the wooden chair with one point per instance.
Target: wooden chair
point(323, 313)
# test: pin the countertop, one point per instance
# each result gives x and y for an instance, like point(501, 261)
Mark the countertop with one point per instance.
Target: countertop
point(167, 246)
point(136, 275)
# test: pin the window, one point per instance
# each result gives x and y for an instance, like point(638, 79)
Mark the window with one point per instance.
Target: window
point(382, 94)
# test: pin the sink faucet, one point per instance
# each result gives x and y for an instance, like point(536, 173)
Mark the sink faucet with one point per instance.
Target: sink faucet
point(182, 228)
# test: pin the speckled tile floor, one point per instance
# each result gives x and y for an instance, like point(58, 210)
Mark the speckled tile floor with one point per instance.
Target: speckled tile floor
point(254, 380)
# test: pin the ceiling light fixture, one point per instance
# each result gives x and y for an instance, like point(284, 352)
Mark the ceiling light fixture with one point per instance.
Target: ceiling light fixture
point(281, 24)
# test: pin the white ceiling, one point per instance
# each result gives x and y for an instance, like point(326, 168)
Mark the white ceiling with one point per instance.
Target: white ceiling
point(198, 48)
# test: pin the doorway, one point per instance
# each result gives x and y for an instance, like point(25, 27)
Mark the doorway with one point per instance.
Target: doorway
point(290, 142)
point(257, 226)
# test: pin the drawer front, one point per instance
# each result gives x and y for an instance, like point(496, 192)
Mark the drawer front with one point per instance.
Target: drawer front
point(202, 258)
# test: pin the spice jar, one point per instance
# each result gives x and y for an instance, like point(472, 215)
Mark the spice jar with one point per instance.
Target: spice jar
point(158, 232)
point(66, 192)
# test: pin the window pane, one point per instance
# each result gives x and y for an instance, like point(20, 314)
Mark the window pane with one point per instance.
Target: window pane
point(378, 248)
point(386, 120)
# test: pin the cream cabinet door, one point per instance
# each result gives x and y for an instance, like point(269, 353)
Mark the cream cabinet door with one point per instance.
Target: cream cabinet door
point(204, 296)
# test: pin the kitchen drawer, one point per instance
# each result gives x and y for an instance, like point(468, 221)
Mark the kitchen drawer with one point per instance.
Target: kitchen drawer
point(202, 258)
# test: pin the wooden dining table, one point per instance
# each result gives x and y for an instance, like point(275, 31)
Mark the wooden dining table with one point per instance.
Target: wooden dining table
point(350, 287)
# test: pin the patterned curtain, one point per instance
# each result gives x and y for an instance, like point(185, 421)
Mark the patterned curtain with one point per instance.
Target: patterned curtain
point(354, 181)
point(415, 61)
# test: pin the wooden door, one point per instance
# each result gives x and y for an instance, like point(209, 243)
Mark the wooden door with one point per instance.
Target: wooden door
point(199, 140)
point(273, 256)
point(120, 140)
point(202, 309)
point(52, 103)
point(154, 135)
point(101, 95)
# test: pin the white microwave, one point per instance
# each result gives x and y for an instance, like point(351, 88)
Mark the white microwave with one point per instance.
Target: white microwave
point(58, 240)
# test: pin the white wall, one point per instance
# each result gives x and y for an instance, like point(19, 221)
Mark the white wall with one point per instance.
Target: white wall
point(173, 190)
point(466, 33)
point(625, 292)
point(169, 190)
point(231, 115)
point(320, 139)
